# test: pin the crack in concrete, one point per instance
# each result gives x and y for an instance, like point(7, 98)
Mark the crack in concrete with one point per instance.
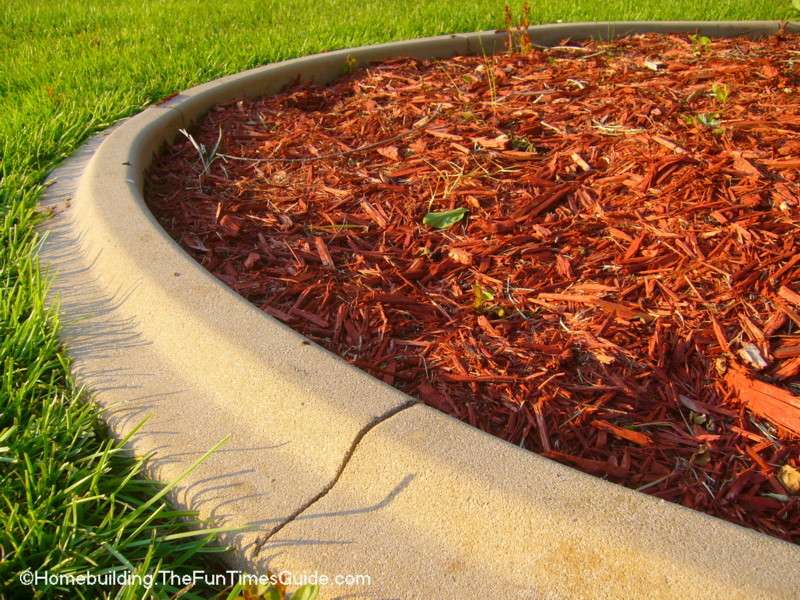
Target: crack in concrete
point(259, 543)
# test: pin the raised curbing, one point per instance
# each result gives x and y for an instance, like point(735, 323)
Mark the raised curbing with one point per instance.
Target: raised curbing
point(327, 469)
point(427, 505)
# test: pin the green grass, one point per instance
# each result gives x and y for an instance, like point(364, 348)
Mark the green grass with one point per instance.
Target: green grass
point(69, 500)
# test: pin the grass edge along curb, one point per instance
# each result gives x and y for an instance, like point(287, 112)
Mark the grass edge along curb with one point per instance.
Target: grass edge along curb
point(48, 116)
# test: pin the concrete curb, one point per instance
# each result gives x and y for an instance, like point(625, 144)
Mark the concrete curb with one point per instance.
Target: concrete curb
point(328, 469)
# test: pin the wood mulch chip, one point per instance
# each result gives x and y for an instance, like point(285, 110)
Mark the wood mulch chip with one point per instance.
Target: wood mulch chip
point(590, 251)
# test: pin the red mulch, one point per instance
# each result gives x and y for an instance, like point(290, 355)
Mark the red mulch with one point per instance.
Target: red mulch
point(623, 293)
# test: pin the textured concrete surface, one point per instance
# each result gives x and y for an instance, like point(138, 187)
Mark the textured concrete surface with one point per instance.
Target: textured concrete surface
point(426, 504)
point(328, 469)
point(154, 337)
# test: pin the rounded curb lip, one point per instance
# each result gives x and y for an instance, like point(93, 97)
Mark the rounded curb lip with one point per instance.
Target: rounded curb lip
point(330, 469)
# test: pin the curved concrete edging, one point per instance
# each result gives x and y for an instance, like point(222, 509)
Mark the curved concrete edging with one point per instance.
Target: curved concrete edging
point(331, 470)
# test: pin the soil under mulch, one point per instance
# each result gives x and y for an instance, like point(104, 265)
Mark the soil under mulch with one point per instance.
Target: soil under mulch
point(616, 284)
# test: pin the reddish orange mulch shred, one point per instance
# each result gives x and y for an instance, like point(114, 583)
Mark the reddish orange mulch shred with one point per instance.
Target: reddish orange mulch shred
point(622, 296)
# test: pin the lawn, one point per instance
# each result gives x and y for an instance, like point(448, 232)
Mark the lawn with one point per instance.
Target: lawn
point(69, 501)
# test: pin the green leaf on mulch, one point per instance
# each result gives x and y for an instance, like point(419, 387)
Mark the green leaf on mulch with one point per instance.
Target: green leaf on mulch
point(444, 219)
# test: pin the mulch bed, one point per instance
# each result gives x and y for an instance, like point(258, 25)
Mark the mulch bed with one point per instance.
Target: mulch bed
point(590, 251)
